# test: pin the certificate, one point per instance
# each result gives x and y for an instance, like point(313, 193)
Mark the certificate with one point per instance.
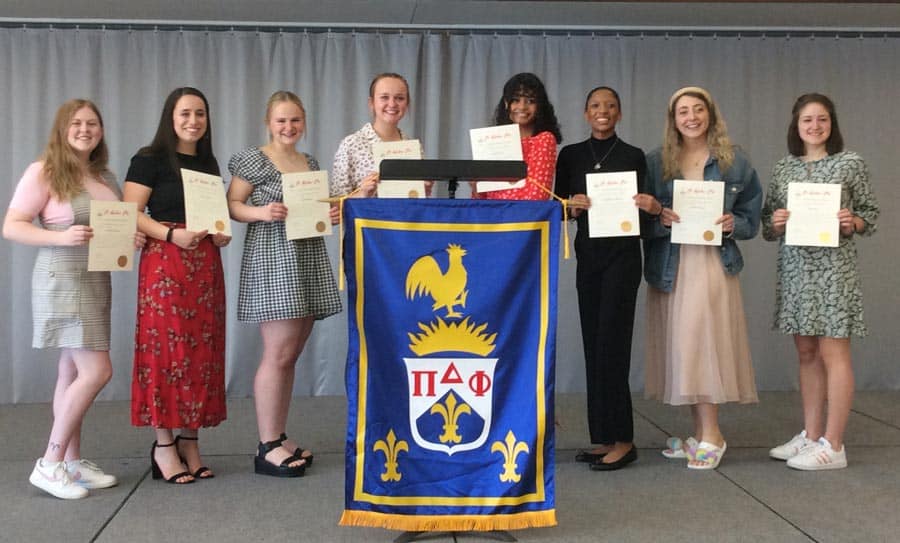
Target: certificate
point(205, 207)
point(403, 149)
point(813, 220)
point(497, 143)
point(307, 216)
point(112, 247)
point(699, 205)
point(612, 212)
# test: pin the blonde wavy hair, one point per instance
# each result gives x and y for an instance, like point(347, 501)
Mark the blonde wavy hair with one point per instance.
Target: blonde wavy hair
point(716, 135)
point(61, 165)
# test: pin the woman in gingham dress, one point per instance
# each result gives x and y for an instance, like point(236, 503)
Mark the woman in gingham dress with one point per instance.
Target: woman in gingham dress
point(70, 305)
point(286, 285)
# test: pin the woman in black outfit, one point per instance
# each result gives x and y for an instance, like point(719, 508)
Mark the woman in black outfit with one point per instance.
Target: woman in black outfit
point(607, 279)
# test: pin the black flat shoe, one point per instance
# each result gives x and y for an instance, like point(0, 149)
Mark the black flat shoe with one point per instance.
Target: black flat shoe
point(630, 456)
point(158, 474)
point(588, 456)
point(299, 452)
point(285, 469)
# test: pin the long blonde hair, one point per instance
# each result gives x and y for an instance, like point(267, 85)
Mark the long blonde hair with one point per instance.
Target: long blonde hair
point(716, 135)
point(61, 165)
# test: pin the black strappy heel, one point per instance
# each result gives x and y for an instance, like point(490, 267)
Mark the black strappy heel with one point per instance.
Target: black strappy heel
point(202, 472)
point(158, 474)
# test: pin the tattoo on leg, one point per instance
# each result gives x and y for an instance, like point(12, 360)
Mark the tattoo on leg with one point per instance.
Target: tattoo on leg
point(54, 446)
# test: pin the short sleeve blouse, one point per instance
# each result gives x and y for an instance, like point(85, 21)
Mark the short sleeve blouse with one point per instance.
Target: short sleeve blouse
point(34, 198)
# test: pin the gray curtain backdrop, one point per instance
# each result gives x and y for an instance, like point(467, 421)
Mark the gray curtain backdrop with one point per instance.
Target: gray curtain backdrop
point(455, 81)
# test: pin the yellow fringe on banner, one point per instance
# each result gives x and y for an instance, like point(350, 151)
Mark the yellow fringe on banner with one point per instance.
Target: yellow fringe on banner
point(449, 523)
point(565, 204)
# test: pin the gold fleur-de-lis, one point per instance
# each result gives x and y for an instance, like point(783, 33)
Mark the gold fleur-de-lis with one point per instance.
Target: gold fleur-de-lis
point(450, 411)
point(510, 450)
point(391, 449)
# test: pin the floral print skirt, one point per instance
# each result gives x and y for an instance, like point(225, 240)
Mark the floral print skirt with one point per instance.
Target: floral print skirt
point(179, 352)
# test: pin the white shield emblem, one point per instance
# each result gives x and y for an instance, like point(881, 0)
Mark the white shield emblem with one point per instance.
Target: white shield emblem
point(450, 402)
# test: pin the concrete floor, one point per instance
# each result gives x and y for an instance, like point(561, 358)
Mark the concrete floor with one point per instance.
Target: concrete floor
point(749, 498)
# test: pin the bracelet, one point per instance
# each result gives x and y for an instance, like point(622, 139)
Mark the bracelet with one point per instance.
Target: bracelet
point(169, 234)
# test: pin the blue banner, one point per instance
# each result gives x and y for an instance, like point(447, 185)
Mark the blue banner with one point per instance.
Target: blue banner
point(450, 369)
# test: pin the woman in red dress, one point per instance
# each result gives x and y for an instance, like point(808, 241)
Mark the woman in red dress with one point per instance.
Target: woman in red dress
point(525, 103)
point(179, 352)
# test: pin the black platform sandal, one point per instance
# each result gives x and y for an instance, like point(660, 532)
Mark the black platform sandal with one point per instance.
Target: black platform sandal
point(299, 452)
point(202, 472)
point(158, 474)
point(285, 469)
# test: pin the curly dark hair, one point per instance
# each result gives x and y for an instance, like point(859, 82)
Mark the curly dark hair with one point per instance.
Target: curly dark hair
point(528, 84)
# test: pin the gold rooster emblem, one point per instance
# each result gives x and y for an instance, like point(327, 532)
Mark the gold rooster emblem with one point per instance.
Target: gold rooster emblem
point(447, 289)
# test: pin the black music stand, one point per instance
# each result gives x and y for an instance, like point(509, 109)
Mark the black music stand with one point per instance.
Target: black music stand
point(395, 169)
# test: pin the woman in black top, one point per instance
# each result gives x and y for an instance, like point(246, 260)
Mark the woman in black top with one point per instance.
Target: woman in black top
point(179, 351)
point(607, 279)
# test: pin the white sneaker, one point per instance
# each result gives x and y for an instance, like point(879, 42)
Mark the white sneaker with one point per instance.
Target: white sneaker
point(89, 475)
point(791, 448)
point(818, 457)
point(52, 477)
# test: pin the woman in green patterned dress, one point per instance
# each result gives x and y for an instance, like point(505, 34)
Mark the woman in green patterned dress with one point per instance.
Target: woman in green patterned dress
point(818, 295)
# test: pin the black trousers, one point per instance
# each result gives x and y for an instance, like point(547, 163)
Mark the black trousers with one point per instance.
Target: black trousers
point(607, 278)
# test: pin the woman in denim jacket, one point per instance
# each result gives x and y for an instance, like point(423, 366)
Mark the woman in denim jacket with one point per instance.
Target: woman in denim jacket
point(697, 348)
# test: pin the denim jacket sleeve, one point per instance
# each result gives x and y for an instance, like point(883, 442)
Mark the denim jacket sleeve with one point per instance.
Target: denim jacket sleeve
point(743, 197)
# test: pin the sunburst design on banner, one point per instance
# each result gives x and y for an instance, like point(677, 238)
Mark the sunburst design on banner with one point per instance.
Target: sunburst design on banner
point(460, 336)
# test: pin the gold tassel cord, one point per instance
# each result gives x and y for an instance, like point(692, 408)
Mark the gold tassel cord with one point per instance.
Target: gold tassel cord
point(565, 204)
point(340, 202)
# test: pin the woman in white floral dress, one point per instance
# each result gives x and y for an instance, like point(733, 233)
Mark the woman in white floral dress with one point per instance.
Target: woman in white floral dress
point(818, 295)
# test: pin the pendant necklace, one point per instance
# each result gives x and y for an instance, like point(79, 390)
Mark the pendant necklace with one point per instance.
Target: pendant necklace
point(599, 163)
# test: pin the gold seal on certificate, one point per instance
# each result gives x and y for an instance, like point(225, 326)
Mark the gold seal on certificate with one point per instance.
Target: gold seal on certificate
point(307, 215)
point(114, 225)
point(813, 220)
point(497, 143)
point(699, 205)
point(403, 149)
point(205, 207)
point(612, 212)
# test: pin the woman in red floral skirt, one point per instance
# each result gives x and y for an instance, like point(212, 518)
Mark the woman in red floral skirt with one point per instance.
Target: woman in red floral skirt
point(179, 355)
